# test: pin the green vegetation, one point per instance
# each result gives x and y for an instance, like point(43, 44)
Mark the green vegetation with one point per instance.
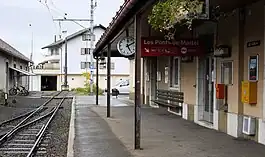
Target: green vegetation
point(86, 89)
point(167, 14)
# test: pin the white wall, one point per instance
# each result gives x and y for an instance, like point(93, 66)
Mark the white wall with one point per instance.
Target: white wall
point(35, 83)
point(121, 66)
point(6, 58)
point(74, 57)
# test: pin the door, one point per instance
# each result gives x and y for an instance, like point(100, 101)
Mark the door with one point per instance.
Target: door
point(208, 89)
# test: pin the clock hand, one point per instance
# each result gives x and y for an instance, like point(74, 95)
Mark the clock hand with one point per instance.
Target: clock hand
point(128, 47)
point(130, 44)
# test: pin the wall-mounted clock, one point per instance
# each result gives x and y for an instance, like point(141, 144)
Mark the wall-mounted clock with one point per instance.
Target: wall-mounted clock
point(126, 46)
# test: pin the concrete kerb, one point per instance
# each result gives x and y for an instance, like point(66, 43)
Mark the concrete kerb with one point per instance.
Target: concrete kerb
point(71, 136)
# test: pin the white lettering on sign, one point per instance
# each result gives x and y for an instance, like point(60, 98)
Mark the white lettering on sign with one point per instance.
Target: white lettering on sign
point(189, 42)
point(176, 43)
point(148, 42)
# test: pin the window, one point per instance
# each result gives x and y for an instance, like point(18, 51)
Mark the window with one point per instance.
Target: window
point(57, 51)
point(83, 65)
point(104, 66)
point(227, 72)
point(174, 72)
point(21, 67)
point(112, 66)
point(85, 51)
point(86, 37)
point(52, 52)
point(15, 65)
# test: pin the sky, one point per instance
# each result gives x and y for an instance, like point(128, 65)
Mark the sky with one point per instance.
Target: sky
point(17, 15)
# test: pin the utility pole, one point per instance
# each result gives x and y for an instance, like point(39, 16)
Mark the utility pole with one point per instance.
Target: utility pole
point(65, 85)
point(92, 7)
point(65, 64)
point(71, 20)
point(61, 51)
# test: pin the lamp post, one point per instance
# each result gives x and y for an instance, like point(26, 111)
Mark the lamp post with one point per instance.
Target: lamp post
point(30, 78)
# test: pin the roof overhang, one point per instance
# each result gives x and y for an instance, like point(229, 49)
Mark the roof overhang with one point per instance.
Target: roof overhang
point(27, 73)
point(131, 7)
point(16, 55)
point(127, 11)
point(69, 37)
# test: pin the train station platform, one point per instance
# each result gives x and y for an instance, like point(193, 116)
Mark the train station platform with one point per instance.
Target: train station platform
point(90, 135)
point(162, 135)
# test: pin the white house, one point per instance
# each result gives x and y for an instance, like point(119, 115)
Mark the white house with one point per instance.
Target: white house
point(14, 68)
point(50, 71)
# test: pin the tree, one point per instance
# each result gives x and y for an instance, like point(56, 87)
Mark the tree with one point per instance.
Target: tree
point(167, 14)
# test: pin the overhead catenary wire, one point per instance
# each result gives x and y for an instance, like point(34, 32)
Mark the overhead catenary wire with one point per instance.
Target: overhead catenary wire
point(45, 3)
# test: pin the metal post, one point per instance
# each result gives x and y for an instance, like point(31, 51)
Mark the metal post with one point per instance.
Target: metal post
point(137, 122)
point(65, 64)
point(92, 7)
point(97, 80)
point(30, 78)
point(108, 79)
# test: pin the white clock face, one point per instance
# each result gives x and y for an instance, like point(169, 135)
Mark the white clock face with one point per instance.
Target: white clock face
point(126, 46)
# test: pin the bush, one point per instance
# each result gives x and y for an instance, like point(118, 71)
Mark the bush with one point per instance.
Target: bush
point(86, 90)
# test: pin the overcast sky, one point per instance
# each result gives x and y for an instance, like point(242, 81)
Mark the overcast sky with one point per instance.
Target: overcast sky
point(16, 15)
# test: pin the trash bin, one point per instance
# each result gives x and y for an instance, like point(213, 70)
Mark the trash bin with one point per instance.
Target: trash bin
point(115, 92)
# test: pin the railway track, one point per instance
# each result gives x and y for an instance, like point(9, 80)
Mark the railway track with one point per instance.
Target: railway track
point(27, 134)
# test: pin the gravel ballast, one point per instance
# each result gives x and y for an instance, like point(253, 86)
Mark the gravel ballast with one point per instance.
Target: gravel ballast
point(59, 130)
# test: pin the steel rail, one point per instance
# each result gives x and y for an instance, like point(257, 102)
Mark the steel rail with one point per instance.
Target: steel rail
point(16, 118)
point(13, 130)
point(42, 132)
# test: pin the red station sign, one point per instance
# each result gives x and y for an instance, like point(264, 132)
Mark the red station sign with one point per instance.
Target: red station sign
point(161, 47)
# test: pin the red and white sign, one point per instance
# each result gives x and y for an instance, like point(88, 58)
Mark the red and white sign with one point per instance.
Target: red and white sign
point(161, 47)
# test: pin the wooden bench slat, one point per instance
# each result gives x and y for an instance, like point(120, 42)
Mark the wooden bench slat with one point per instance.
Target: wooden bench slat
point(169, 98)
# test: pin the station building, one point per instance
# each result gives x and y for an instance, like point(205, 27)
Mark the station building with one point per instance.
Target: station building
point(212, 75)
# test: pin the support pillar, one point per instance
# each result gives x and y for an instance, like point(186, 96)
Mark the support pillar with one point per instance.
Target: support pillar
point(108, 79)
point(241, 47)
point(137, 31)
point(97, 80)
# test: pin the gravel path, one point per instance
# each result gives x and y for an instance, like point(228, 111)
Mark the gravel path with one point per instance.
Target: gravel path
point(59, 130)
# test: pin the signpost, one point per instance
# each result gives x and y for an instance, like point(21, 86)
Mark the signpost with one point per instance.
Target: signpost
point(161, 47)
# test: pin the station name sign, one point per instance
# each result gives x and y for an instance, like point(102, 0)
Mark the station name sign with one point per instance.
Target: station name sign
point(160, 47)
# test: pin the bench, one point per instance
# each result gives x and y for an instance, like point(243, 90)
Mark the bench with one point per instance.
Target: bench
point(169, 98)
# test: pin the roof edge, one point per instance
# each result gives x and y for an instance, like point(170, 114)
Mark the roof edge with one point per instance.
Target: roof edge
point(71, 36)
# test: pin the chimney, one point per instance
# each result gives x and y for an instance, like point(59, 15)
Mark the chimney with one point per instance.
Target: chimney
point(55, 38)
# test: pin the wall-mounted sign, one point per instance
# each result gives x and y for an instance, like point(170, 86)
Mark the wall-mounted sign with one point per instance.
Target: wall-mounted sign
point(253, 43)
point(222, 51)
point(253, 68)
point(160, 47)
